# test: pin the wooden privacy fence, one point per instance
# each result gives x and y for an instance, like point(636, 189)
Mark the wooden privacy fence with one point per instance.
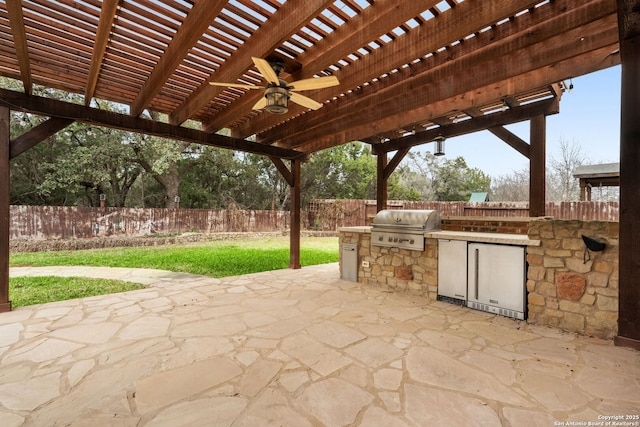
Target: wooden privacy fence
point(328, 214)
point(64, 222)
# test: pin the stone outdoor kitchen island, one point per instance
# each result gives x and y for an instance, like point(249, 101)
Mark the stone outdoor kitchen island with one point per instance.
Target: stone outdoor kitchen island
point(566, 287)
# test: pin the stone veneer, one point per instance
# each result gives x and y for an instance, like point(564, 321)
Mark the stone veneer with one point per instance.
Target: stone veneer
point(416, 271)
point(563, 290)
point(398, 269)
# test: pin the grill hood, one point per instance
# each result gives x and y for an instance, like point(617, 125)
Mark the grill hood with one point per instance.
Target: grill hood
point(406, 220)
point(403, 229)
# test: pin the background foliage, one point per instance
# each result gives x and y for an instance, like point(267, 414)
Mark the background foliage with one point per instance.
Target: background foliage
point(81, 162)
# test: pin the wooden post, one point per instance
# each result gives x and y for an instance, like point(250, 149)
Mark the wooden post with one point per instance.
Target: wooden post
point(583, 190)
point(5, 201)
point(629, 266)
point(381, 182)
point(537, 172)
point(294, 242)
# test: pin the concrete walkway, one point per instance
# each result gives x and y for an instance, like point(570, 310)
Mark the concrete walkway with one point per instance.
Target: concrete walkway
point(295, 348)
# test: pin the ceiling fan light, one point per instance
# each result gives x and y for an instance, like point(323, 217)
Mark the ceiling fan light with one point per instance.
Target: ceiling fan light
point(277, 99)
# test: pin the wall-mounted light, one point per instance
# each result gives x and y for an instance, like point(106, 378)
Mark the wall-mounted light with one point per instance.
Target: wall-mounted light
point(277, 98)
point(439, 151)
point(592, 244)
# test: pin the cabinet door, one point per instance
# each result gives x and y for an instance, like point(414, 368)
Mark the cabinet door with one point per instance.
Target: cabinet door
point(496, 275)
point(452, 269)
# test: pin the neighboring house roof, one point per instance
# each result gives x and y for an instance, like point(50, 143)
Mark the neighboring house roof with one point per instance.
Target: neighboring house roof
point(597, 171)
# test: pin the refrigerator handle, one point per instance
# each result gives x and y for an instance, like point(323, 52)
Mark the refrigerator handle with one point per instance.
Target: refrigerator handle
point(477, 254)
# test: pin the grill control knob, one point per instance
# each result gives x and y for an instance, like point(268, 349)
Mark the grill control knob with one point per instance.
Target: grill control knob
point(411, 241)
point(380, 238)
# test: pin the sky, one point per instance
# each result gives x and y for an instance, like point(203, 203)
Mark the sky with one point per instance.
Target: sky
point(589, 118)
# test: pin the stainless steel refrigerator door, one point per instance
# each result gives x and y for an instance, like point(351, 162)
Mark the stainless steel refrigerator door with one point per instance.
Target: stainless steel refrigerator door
point(452, 269)
point(496, 275)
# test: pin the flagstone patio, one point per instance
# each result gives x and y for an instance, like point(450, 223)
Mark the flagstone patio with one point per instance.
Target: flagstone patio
point(295, 348)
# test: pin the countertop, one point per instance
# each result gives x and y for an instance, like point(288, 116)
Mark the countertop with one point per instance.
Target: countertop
point(502, 238)
point(507, 239)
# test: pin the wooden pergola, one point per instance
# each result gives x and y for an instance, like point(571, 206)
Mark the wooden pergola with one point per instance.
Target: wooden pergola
point(596, 176)
point(409, 72)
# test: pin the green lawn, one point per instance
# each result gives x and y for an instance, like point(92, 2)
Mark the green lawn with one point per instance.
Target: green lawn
point(216, 259)
point(38, 290)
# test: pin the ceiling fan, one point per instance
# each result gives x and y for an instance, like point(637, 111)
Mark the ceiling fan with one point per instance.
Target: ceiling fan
point(277, 92)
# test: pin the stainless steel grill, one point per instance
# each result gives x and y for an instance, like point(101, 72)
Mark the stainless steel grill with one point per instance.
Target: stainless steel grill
point(403, 228)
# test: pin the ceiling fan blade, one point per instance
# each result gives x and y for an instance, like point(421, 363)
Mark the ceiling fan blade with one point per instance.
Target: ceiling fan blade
point(265, 69)
point(262, 102)
point(304, 101)
point(317, 83)
point(238, 85)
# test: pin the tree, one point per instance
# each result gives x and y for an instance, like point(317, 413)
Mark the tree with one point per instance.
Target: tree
point(343, 172)
point(72, 167)
point(37, 177)
point(512, 187)
point(165, 160)
point(101, 163)
point(455, 181)
point(222, 178)
point(417, 172)
point(561, 183)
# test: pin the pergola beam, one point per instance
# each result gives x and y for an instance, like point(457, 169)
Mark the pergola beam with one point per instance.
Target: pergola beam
point(196, 23)
point(66, 110)
point(107, 17)
point(598, 59)
point(513, 140)
point(284, 171)
point(36, 135)
point(475, 63)
point(284, 22)
point(395, 161)
point(379, 18)
point(515, 115)
point(16, 20)
point(434, 34)
point(436, 84)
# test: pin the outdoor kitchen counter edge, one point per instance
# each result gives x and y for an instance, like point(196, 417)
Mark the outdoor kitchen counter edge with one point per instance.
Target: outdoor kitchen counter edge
point(507, 239)
point(503, 238)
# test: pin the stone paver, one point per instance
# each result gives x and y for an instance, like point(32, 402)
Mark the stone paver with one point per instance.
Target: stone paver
point(294, 348)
